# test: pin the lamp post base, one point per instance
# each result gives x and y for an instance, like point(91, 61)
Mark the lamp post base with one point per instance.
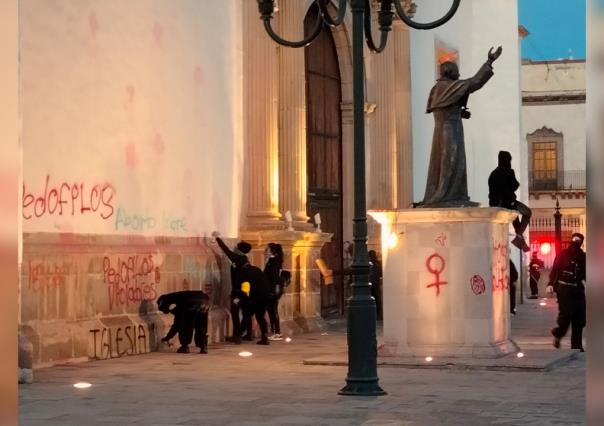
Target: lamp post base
point(362, 387)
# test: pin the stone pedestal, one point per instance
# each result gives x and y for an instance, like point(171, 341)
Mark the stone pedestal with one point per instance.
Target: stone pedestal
point(445, 285)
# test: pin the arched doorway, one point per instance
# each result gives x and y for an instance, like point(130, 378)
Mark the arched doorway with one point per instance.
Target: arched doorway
point(324, 155)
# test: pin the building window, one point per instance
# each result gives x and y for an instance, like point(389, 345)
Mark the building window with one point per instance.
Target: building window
point(545, 165)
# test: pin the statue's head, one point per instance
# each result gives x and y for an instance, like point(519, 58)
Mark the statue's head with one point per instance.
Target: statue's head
point(449, 70)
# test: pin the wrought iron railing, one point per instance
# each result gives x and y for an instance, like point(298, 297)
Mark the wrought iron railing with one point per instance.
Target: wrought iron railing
point(567, 180)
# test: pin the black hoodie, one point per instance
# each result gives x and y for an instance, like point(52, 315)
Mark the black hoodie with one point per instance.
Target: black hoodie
point(503, 183)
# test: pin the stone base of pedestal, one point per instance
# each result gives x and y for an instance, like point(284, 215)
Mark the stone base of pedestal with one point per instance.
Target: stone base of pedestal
point(446, 282)
point(450, 350)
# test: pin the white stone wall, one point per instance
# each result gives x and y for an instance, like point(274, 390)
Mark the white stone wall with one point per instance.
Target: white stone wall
point(495, 122)
point(132, 110)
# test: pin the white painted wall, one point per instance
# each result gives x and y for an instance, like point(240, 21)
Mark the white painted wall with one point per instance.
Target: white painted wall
point(143, 99)
point(495, 122)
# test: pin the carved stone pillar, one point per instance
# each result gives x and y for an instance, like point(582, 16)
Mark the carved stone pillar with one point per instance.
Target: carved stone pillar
point(292, 113)
point(402, 105)
point(383, 147)
point(261, 90)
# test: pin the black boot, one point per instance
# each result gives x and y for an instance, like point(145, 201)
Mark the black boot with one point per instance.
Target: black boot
point(183, 349)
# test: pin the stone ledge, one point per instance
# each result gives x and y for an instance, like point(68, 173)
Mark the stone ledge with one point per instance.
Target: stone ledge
point(535, 360)
point(461, 214)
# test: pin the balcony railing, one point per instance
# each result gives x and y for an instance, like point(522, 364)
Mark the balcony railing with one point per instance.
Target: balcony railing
point(573, 180)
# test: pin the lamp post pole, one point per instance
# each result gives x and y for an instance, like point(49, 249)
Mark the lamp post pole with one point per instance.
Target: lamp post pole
point(558, 228)
point(362, 378)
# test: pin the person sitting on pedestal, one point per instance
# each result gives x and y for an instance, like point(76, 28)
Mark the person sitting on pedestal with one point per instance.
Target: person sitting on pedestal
point(190, 310)
point(502, 193)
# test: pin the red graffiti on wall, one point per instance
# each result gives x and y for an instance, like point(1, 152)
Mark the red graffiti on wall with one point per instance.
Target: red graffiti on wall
point(441, 239)
point(500, 267)
point(45, 276)
point(66, 198)
point(131, 280)
point(436, 265)
point(478, 285)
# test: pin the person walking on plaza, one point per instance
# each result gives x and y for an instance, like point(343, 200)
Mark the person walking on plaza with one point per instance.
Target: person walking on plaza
point(513, 280)
point(535, 267)
point(273, 270)
point(567, 279)
point(502, 193)
point(239, 260)
point(190, 310)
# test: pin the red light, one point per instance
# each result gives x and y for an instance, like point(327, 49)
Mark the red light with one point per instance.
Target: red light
point(545, 248)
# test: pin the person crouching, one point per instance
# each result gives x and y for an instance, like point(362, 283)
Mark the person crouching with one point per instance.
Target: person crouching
point(190, 309)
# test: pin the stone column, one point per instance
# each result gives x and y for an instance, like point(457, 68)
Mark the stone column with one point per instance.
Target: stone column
point(261, 91)
point(402, 105)
point(382, 148)
point(292, 113)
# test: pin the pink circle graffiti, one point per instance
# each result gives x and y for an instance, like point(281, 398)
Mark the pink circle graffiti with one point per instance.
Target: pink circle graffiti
point(478, 285)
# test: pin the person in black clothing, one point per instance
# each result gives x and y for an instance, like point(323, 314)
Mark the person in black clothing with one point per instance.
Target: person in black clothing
point(273, 269)
point(239, 260)
point(535, 266)
point(502, 193)
point(513, 280)
point(256, 302)
point(190, 310)
point(567, 279)
point(375, 278)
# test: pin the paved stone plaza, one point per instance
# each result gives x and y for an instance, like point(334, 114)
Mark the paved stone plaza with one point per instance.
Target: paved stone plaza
point(274, 387)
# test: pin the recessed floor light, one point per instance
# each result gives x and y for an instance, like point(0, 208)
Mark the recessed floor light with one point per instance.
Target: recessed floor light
point(82, 385)
point(245, 354)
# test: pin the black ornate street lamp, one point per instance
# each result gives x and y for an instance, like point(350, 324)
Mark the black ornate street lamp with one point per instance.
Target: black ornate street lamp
point(362, 378)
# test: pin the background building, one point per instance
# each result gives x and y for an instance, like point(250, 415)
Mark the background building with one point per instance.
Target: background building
point(553, 122)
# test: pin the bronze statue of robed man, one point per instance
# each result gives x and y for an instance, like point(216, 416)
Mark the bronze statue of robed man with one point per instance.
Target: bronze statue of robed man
point(447, 184)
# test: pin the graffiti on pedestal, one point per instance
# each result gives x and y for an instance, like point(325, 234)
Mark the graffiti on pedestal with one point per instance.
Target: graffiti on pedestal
point(500, 267)
point(44, 276)
point(131, 280)
point(478, 285)
point(440, 240)
point(118, 342)
point(436, 266)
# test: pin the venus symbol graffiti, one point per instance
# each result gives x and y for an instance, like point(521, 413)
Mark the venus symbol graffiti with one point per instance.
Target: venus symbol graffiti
point(436, 266)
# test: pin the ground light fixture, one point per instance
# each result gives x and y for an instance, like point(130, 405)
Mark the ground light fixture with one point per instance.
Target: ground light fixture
point(245, 354)
point(520, 354)
point(82, 385)
point(362, 378)
point(288, 339)
point(429, 359)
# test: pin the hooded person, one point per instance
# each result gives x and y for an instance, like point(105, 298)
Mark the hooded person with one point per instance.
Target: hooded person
point(190, 309)
point(567, 279)
point(447, 184)
point(238, 258)
point(254, 301)
point(502, 193)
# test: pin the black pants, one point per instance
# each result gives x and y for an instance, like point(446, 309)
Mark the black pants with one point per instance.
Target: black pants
point(189, 321)
point(513, 297)
point(255, 309)
point(571, 313)
point(534, 283)
point(235, 310)
point(521, 224)
point(273, 314)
